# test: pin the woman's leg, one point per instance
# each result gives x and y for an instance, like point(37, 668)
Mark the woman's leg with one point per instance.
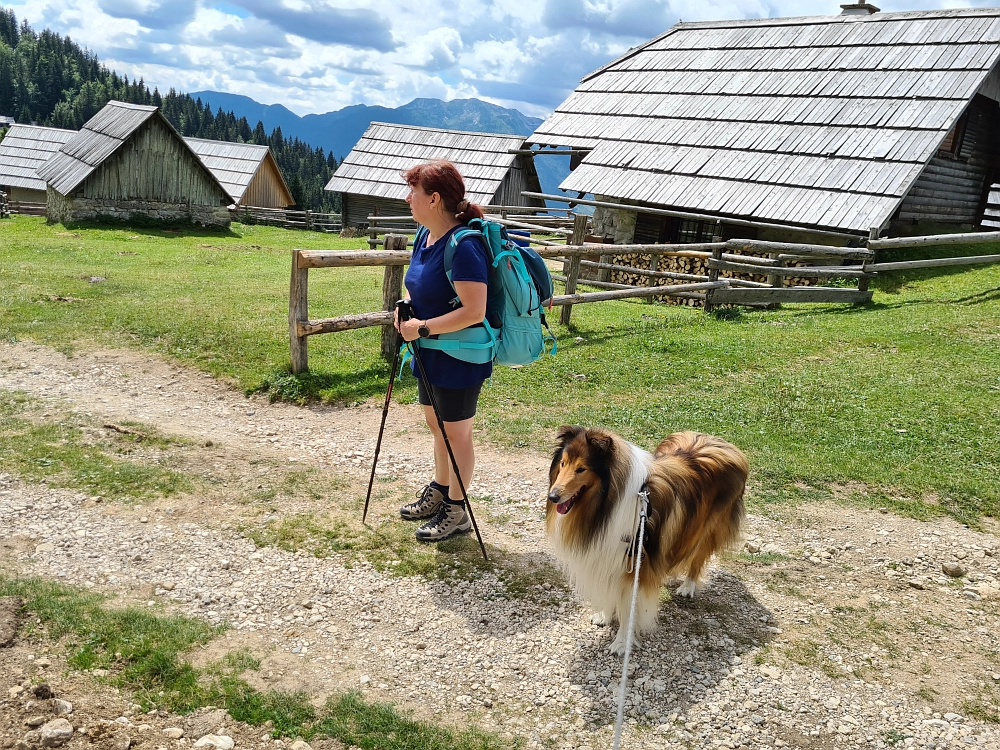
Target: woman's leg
point(460, 437)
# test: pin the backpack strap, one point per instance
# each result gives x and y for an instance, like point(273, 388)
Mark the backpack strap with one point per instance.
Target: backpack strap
point(452, 247)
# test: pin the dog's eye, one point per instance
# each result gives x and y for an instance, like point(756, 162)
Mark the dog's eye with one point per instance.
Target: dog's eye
point(580, 471)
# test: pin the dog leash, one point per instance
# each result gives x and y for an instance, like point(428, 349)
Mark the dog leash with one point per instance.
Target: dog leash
point(643, 502)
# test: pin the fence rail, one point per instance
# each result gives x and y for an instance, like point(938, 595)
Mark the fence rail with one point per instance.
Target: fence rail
point(768, 259)
point(26, 208)
point(312, 221)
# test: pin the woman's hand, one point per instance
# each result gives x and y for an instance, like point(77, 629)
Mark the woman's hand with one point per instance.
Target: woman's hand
point(409, 329)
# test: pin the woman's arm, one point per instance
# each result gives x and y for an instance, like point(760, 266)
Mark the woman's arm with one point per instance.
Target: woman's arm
point(473, 310)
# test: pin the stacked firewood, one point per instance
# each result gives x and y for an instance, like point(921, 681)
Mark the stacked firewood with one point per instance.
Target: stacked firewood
point(687, 265)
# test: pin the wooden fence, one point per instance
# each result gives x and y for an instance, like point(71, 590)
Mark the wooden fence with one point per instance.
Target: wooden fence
point(393, 258)
point(770, 259)
point(26, 208)
point(312, 221)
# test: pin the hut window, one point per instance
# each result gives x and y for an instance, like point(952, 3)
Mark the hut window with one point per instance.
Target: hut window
point(651, 229)
point(952, 145)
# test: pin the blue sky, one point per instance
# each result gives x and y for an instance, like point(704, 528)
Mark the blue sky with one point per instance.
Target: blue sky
point(321, 55)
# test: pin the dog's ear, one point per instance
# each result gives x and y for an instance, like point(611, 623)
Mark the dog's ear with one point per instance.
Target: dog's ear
point(567, 433)
point(600, 442)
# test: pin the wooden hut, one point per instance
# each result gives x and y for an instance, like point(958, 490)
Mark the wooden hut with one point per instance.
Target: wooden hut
point(370, 180)
point(22, 151)
point(129, 164)
point(841, 123)
point(247, 171)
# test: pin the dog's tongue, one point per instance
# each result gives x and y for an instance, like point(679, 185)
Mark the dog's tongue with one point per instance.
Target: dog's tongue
point(563, 508)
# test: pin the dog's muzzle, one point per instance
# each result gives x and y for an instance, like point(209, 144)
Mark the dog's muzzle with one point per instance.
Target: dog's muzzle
point(563, 506)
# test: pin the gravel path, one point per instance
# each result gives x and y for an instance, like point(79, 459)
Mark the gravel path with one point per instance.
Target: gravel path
point(825, 633)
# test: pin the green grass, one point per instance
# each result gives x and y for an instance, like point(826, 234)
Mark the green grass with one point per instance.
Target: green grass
point(145, 655)
point(57, 451)
point(897, 401)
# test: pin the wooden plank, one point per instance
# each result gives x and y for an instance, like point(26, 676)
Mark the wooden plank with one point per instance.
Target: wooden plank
point(971, 260)
point(790, 248)
point(971, 238)
point(344, 258)
point(343, 323)
point(636, 291)
point(732, 296)
point(806, 272)
point(298, 311)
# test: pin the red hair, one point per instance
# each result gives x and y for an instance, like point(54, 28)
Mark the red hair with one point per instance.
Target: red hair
point(443, 178)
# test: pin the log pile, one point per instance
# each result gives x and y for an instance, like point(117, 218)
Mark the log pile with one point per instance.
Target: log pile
point(688, 265)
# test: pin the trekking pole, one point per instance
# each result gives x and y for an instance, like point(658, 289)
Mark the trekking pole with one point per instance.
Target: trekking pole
point(400, 305)
point(404, 310)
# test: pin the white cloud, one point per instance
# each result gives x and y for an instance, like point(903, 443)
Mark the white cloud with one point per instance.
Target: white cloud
point(319, 55)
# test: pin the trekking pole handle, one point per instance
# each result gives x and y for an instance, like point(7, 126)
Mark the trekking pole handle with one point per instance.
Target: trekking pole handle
point(404, 309)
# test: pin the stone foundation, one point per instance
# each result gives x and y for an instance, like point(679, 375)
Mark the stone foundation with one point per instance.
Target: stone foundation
point(613, 222)
point(67, 209)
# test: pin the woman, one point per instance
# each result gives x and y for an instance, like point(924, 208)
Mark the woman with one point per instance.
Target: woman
point(437, 202)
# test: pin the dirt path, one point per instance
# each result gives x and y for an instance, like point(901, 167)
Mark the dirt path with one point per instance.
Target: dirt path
point(834, 627)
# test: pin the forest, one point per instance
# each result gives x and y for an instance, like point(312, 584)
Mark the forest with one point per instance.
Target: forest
point(48, 79)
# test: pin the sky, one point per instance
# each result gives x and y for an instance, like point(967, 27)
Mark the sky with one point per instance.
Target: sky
point(322, 55)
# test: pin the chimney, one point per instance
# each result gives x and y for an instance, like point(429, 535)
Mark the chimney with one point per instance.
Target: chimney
point(860, 8)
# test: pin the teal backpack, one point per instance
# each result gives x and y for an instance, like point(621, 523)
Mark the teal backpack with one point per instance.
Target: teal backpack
point(515, 331)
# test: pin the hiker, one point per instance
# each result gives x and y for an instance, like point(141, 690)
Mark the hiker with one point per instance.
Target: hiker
point(438, 204)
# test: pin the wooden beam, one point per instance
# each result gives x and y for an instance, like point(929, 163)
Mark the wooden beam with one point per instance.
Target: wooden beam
point(795, 294)
point(344, 323)
point(344, 258)
point(298, 311)
point(972, 260)
point(580, 222)
point(637, 291)
point(791, 248)
point(806, 272)
point(972, 238)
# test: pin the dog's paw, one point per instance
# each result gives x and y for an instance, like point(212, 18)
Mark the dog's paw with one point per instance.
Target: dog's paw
point(617, 646)
point(689, 588)
point(600, 619)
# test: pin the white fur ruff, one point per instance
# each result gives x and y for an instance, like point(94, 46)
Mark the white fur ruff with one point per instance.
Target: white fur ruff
point(598, 571)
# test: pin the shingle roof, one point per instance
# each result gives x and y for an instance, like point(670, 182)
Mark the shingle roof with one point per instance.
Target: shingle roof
point(99, 138)
point(233, 164)
point(385, 150)
point(816, 121)
point(24, 149)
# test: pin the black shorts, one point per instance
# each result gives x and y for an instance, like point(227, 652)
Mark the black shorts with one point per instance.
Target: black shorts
point(454, 404)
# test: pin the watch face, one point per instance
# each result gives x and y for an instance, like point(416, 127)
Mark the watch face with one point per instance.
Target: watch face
point(424, 331)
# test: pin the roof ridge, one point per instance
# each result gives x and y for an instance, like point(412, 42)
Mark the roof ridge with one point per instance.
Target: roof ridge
point(816, 20)
point(443, 130)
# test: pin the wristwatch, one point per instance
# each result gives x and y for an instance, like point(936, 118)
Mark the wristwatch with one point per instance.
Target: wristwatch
point(423, 330)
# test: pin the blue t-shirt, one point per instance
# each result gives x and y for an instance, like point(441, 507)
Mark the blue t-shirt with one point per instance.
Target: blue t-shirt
point(431, 295)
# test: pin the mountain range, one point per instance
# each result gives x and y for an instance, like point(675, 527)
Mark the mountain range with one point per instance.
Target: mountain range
point(338, 131)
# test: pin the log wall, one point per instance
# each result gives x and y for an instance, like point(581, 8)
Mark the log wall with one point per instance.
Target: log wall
point(267, 189)
point(951, 188)
point(154, 165)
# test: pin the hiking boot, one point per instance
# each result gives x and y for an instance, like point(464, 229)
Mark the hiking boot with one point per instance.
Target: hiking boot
point(427, 504)
point(451, 519)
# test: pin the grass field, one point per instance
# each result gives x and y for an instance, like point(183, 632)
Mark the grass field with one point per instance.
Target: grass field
point(895, 404)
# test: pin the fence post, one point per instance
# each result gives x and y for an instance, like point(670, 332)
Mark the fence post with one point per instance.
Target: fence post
point(863, 282)
point(654, 266)
point(392, 290)
point(604, 274)
point(298, 309)
point(572, 267)
point(713, 275)
point(373, 229)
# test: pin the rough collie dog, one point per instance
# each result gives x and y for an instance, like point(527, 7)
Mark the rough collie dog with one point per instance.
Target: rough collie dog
point(695, 485)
